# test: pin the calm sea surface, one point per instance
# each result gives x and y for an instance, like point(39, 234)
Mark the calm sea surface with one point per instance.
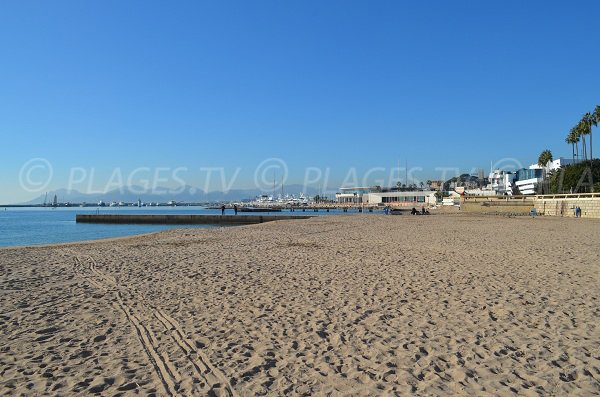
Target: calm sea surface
point(30, 226)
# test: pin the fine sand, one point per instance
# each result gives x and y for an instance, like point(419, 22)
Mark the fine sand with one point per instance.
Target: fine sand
point(346, 305)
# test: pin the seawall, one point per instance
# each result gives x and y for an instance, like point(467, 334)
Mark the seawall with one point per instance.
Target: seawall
point(564, 205)
point(498, 207)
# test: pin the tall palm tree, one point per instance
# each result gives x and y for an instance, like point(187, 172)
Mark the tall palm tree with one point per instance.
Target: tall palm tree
point(571, 139)
point(594, 120)
point(588, 121)
point(581, 133)
point(575, 135)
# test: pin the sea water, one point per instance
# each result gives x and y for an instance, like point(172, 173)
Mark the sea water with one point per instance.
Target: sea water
point(38, 225)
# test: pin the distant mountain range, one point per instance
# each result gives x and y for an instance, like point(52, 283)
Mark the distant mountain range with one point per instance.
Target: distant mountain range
point(187, 194)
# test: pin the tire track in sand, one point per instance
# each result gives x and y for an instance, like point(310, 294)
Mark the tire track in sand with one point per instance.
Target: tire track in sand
point(90, 273)
point(216, 380)
point(212, 381)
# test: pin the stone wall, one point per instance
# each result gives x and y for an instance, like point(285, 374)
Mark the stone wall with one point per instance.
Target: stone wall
point(590, 206)
point(498, 207)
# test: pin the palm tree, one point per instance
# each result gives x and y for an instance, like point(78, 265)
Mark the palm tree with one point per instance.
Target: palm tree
point(581, 132)
point(589, 120)
point(575, 136)
point(594, 120)
point(571, 139)
point(545, 158)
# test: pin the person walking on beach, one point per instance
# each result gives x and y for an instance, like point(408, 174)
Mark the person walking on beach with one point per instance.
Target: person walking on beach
point(223, 209)
point(235, 209)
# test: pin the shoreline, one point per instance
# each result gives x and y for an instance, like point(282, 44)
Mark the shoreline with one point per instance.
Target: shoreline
point(453, 213)
point(85, 242)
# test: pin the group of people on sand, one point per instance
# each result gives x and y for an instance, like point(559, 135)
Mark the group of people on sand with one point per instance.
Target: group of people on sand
point(414, 211)
point(235, 209)
point(388, 210)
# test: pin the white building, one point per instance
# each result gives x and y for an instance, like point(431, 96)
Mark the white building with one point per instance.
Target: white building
point(371, 196)
point(527, 180)
point(556, 164)
point(351, 195)
point(407, 199)
point(524, 181)
point(501, 182)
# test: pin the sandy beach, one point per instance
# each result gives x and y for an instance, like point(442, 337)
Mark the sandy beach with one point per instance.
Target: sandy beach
point(340, 305)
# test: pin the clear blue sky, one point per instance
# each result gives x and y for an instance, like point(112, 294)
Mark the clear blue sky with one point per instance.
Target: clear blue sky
point(337, 84)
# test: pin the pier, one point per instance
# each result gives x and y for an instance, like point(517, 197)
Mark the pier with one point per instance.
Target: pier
point(184, 219)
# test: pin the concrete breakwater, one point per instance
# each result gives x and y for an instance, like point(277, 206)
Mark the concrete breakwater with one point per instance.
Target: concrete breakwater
point(184, 219)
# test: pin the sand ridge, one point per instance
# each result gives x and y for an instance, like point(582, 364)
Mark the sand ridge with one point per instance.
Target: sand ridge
point(347, 305)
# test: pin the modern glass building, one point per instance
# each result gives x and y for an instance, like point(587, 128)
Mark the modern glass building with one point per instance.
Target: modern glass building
point(528, 173)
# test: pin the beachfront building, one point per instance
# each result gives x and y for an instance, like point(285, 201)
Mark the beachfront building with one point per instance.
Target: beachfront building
point(525, 181)
point(480, 192)
point(399, 198)
point(378, 196)
point(352, 195)
point(501, 182)
point(453, 198)
point(558, 163)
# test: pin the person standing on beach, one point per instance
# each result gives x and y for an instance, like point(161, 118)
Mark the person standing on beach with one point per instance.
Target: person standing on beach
point(223, 209)
point(235, 209)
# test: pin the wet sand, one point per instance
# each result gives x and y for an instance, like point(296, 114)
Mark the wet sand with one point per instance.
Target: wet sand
point(346, 305)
